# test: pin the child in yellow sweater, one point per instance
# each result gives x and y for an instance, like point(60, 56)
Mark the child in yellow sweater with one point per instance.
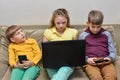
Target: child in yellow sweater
point(21, 45)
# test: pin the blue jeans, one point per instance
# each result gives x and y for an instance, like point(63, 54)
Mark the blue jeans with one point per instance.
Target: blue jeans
point(62, 73)
point(25, 74)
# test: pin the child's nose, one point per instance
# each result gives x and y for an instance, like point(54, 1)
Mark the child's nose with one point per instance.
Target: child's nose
point(61, 25)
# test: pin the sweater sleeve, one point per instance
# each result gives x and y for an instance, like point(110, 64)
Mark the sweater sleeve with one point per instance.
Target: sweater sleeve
point(83, 36)
point(12, 59)
point(37, 52)
point(111, 47)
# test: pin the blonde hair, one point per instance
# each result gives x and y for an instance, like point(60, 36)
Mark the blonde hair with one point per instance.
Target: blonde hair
point(11, 31)
point(95, 17)
point(59, 12)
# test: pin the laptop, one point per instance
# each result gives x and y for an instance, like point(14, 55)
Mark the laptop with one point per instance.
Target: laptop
point(63, 53)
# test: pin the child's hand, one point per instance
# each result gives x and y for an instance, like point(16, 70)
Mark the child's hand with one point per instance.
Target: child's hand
point(91, 61)
point(19, 65)
point(102, 61)
point(28, 63)
point(107, 60)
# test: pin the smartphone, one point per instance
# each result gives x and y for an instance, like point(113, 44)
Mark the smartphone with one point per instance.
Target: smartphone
point(98, 61)
point(101, 60)
point(22, 58)
point(106, 60)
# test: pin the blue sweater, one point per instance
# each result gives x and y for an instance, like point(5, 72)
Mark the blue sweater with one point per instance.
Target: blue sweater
point(98, 45)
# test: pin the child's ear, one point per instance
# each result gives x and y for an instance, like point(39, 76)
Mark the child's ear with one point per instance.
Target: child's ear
point(88, 23)
point(12, 40)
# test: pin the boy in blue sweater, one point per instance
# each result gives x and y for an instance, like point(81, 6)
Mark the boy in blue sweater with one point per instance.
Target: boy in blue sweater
point(100, 51)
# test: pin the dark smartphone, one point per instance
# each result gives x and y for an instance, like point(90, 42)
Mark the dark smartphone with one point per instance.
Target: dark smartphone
point(22, 58)
point(99, 61)
point(106, 60)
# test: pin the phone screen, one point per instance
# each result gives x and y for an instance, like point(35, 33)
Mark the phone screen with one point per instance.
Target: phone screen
point(22, 58)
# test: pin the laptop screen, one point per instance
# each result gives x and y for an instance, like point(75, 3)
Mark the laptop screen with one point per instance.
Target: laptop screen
point(63, 53)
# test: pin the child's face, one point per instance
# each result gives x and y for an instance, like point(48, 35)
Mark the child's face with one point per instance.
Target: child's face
point(60, 23)
point(19, 36)
point(94, 28)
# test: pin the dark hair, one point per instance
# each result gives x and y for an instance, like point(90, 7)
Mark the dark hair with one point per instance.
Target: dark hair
point(95, 17)
point(11, 31)
point(60, 12)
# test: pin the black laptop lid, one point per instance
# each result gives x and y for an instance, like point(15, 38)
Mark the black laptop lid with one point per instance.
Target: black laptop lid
point(63, 53)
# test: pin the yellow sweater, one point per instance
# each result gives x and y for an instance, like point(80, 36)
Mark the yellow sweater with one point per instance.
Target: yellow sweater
point(29, 48)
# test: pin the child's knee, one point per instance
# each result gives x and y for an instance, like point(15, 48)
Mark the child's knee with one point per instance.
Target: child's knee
point(95, 77)
point(110, 76)
point(67, 69)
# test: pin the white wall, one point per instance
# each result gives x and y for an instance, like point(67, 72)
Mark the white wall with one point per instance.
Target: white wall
point(40, 11)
